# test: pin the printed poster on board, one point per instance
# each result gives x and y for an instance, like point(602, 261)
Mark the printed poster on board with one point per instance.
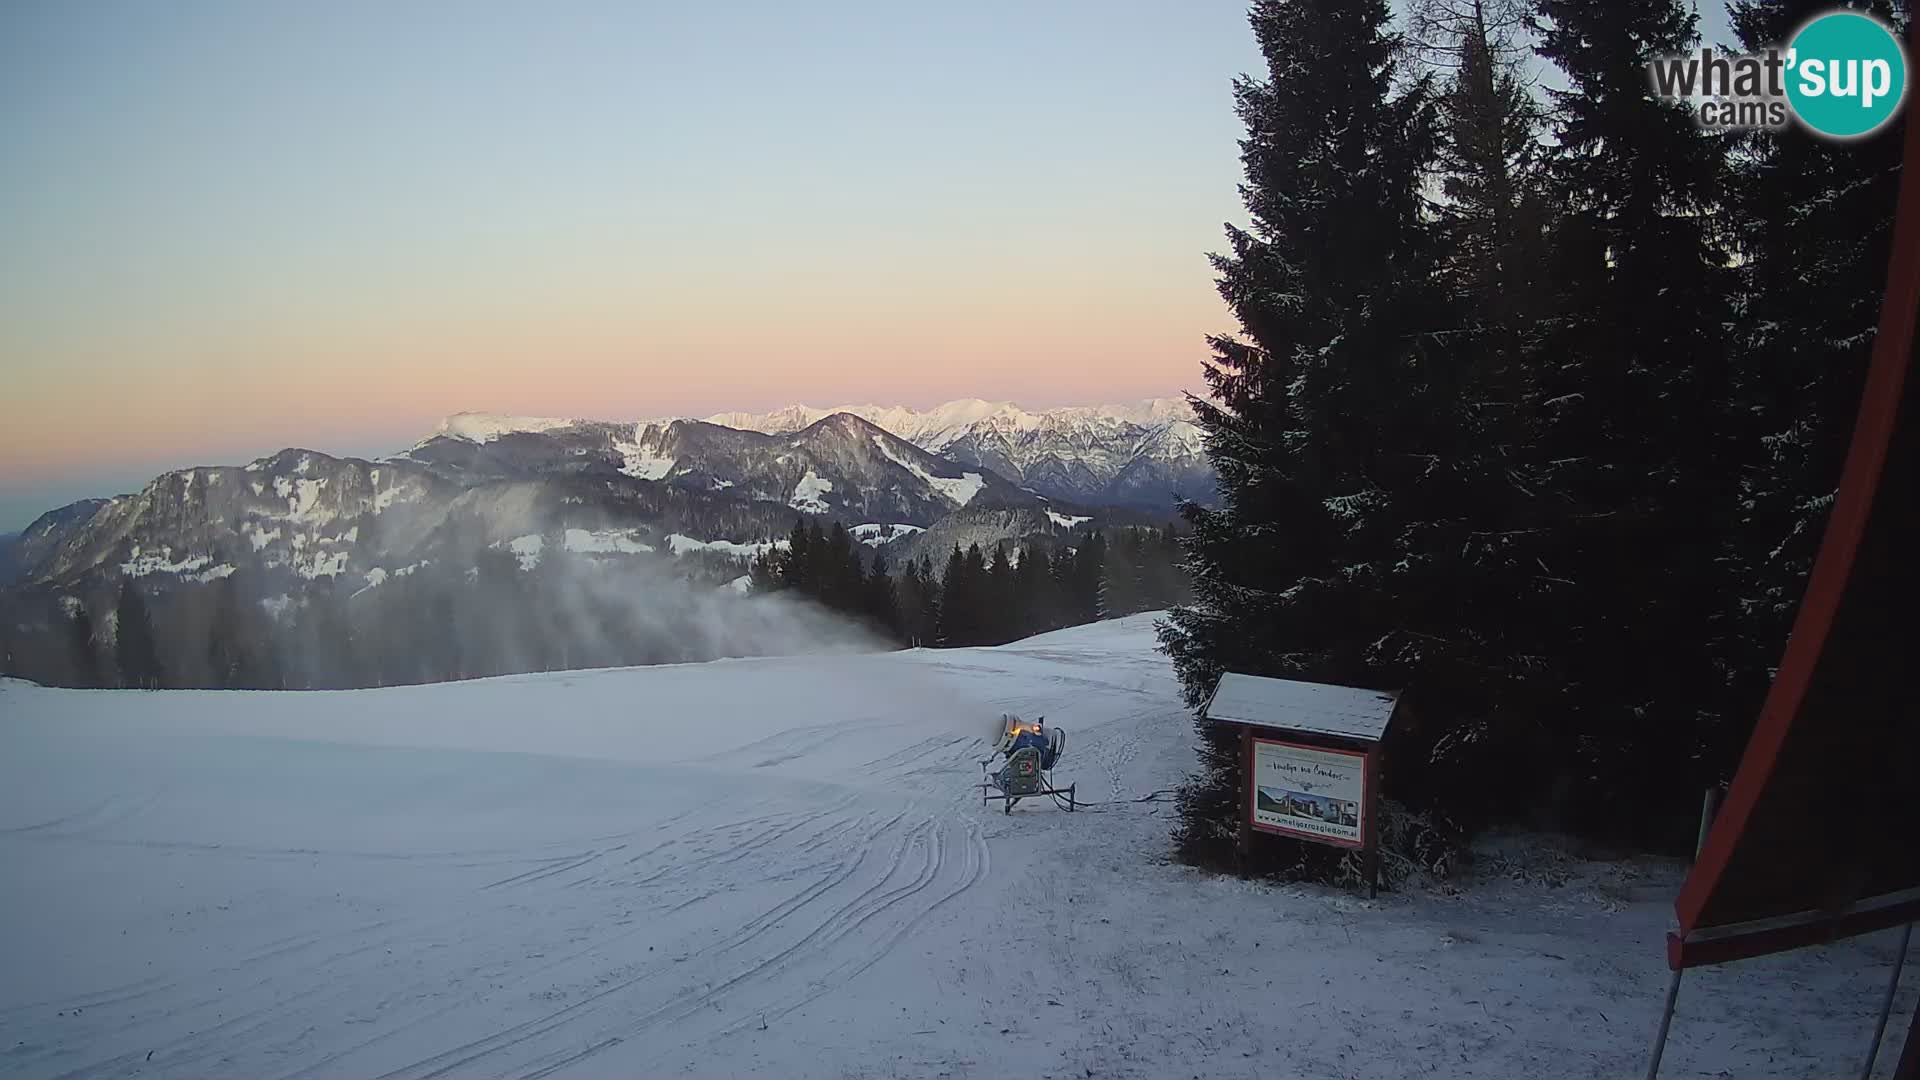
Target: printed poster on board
point(1311, 793)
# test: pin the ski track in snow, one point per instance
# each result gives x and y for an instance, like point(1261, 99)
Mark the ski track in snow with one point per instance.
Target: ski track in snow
point(781, 867)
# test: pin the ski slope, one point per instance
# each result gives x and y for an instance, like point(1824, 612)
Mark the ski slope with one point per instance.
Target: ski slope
point(779, 867)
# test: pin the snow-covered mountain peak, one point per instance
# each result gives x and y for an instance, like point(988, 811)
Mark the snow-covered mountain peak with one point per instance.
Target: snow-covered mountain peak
point(1140, 452)
point(958, 415)
point(778, 422)
point(1143, 453)
point(934, 427)
point(481, 427)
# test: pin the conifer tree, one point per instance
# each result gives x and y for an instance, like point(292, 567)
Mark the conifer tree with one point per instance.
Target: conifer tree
point(1167, 582)
point(498, 589)
point(964, 615)
point(925, 613)
point(239, 639)
point(1443, 595)
point(1814, 219)
point(837, 588)
point(976, 580)
point(548, 631)
point(442, 656)
point(883, 599)
point(134, 647)
point(1030, 580)
point(83, 648)
point(912, 590)
point(956, 602)
point(1060, 591)
point(1122, 579)
point(1635, 421)
point(999, 607)
point(1489, 156)
point(1321, 401)
point(1089, 567)
point(764, 572)
point(796, 562)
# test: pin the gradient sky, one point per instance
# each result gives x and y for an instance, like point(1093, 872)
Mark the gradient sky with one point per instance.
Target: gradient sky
point(230, 227)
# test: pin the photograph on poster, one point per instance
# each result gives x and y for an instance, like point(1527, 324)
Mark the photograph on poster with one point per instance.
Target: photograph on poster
point(1316, 807)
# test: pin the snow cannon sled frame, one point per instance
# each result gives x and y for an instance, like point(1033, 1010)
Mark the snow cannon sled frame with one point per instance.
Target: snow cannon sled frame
point(1021, 778)
point(1024, 774)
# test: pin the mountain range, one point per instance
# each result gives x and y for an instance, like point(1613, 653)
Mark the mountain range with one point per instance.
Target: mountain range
point(1128, 455)
point(908, 481)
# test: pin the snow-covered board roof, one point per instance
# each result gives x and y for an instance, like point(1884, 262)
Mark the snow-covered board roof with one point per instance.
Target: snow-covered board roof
point(1346, 711)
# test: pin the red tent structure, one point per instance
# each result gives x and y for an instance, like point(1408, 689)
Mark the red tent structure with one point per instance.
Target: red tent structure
point(1819, 838)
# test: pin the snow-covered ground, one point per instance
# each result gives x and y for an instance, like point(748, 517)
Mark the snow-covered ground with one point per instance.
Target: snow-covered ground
point(779, 867)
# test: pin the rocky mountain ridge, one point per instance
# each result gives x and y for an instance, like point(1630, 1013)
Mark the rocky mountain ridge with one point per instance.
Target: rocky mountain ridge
point(1143, 455)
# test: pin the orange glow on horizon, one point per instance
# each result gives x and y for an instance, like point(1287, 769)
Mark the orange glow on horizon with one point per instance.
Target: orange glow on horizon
point(385, 383)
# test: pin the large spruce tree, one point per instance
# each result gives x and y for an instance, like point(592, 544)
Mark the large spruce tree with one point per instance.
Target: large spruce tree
point(1492, 216)
point(1814, 220)
point(1635, 424)
point(1468, 589)
point(1320, 404)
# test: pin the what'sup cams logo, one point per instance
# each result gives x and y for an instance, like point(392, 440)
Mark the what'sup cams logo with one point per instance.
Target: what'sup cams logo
point(1842, 75)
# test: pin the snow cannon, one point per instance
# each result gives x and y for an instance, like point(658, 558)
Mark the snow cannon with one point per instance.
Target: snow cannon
point(1027, 754)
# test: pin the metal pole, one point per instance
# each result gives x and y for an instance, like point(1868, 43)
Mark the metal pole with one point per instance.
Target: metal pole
point(1886, 1007)
point(1243, 842)
point(1666, 1020)
point(1908, 1067)
point(1709, 805)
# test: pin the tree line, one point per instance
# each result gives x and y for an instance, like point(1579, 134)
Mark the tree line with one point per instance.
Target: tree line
point(473, 616)
point(122, 653)
point(485, 613)
point(1537, 403)
point(979, 598)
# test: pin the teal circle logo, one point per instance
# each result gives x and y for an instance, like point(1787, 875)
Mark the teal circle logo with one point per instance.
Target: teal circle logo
point(1847, 74)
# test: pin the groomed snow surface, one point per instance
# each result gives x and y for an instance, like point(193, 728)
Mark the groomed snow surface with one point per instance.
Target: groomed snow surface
point(780, 868)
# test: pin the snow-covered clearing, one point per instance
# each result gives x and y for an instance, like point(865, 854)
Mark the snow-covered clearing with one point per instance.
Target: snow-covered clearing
point(680, 545)
point(779, 867)
point(191, 568)
point(878, 534)
point(528, 549)
point(960, 490)
point(606, 542)
point(639, 454)
point(163, 563)
point(810, 493)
